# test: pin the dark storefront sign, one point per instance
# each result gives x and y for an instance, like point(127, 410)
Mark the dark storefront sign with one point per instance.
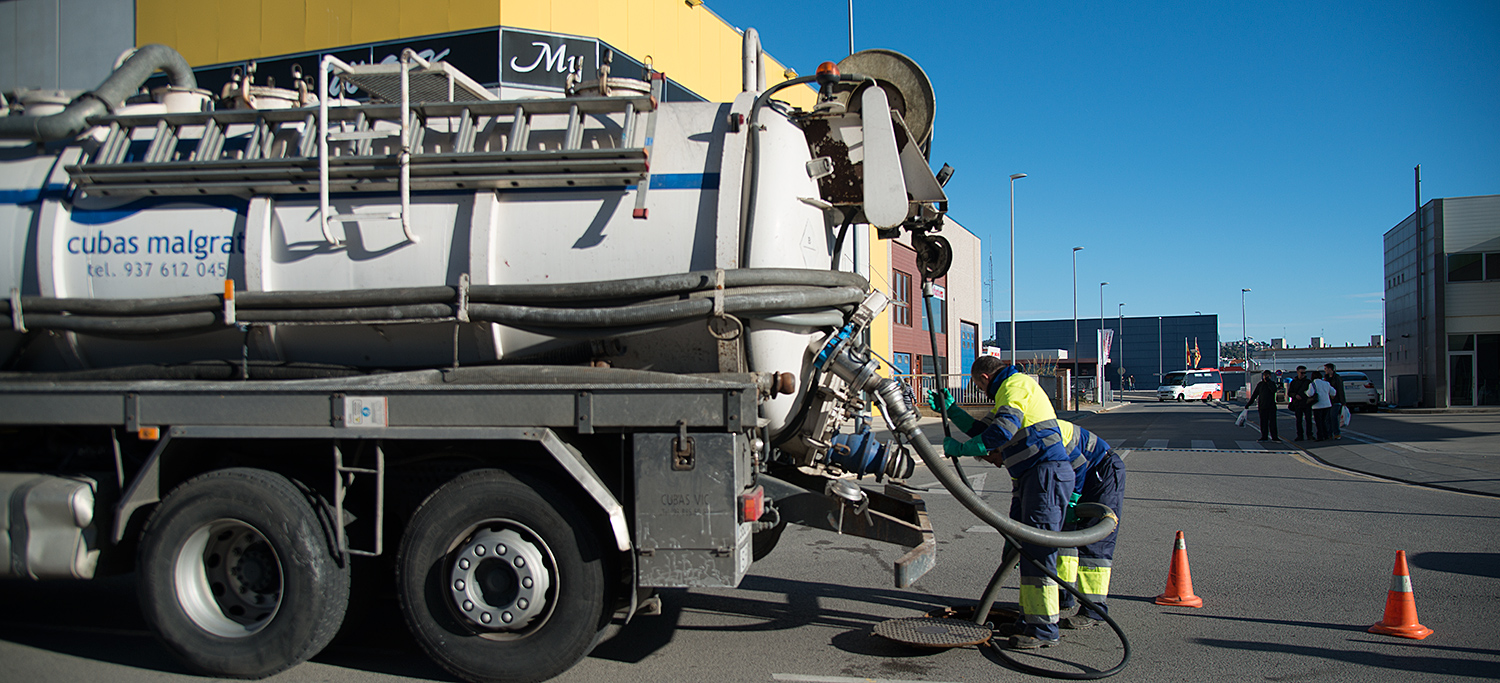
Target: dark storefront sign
point(490, 56)
point(543, 60)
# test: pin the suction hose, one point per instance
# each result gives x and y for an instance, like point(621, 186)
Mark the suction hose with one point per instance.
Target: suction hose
point(121, 84)
point(889, 391)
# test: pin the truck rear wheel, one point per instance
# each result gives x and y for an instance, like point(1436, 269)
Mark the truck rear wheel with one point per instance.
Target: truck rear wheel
point(501, 579)
point(237, 576)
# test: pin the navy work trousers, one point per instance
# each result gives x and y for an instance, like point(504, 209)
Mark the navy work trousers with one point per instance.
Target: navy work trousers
point(1040, 498)
point(1104, 484)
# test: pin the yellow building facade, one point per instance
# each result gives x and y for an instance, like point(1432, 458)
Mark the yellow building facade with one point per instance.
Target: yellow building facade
point(687, 41)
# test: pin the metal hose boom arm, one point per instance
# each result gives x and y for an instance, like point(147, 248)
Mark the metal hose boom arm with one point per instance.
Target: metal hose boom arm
point(110, 94)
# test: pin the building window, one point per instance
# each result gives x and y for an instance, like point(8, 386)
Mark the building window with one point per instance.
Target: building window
point(1473, 267)
point(1465, 267)
point(940, 310)
point(901, 298)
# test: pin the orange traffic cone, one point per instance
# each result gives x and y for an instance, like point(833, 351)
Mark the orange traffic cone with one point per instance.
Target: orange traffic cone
point(1179, 579)
point(1400, 607)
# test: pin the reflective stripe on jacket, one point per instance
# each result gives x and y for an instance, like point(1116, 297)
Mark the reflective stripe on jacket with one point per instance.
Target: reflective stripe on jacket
point(1023, 430)
point(1091, 451)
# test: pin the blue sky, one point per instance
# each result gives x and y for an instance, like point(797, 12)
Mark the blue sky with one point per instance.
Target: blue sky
point(1191, 148)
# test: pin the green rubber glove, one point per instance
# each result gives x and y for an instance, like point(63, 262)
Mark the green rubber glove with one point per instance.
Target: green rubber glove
point(961, 418)
point(973, 448)
point(943, 402)
point(1072, 516)
point(939, 402)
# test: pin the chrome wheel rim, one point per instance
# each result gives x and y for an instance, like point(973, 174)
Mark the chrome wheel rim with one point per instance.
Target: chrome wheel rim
point(228, 579)
point(502, 580)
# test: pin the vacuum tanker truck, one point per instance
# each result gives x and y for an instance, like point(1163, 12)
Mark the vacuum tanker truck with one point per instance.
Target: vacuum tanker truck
point(539, 357)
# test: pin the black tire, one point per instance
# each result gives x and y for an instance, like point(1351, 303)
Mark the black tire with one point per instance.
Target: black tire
point(522, 640)
point(237, 575)
point(763, 542)
point(1181, 397)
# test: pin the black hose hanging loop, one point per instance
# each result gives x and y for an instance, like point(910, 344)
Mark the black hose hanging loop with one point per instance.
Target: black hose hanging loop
point(937, 377)
point(1007, 562)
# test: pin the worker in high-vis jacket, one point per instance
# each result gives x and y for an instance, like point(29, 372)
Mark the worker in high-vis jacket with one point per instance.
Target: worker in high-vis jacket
point(1023, 435)
point(1099, 477)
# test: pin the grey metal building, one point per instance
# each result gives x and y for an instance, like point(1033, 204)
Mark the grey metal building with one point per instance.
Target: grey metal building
point(62, 44)
point(1442, 304)
point(1147, 347)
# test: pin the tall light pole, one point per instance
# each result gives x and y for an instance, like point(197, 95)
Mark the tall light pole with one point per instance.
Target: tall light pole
point(851, 27)
point(1159, 369)
point(1013, 178)
point(1101, 360)
point(1075, 319)
point(1120, 341)
point(1246, 335)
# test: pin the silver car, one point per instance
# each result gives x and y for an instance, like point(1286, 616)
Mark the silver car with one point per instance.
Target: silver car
point(1359, 392)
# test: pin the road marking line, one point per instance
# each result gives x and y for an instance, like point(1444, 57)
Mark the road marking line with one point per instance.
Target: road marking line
point(981, 529)
point(1375, 440)
point(1203, 443)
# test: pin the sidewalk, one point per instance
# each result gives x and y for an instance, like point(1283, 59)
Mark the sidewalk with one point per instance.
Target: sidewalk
point(1454, 450)
point(1467, 462)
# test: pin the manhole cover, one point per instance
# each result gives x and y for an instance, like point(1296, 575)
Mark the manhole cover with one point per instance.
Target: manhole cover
point(931, 632)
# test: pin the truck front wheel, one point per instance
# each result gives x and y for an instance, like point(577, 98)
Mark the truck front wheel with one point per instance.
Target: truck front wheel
point(237, 576)
point(501, 579)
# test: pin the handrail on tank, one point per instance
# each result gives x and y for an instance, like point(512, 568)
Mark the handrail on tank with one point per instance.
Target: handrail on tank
point(328, 62)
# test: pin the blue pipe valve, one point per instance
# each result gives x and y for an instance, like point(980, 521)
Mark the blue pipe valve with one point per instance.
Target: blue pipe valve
point(862, 454)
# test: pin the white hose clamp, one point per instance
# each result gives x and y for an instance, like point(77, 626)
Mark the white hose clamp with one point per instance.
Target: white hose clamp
point(17, 322)
point(463, 298)
point(719, 293)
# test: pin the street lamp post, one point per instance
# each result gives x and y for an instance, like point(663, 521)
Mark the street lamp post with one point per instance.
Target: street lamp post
point(1101, 360)
point(1120, 342)
point(1013, 178)
point(1246, 334)
point(1075, 321)
point(1159, 368)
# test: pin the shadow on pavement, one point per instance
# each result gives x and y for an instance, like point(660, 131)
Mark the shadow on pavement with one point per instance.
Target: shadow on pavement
point(789, 604)
point(1377, 661)
point(1473, 564)
point(97, 620)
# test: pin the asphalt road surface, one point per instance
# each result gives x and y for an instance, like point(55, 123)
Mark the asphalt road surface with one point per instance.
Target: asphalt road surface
point(1292, 558)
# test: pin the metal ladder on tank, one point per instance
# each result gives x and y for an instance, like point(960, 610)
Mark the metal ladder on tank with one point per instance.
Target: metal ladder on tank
point(289, 151)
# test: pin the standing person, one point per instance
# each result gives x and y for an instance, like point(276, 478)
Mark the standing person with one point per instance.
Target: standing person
point(1098, 478)
point(1264, 398)
point(1337, 410)
point(1321, 404)
point(1022, 434)
point(1299, 394)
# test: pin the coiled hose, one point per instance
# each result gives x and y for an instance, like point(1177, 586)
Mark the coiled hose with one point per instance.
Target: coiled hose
point(608, 307)
point(889, 392)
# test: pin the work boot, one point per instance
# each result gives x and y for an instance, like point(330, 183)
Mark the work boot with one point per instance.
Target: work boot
point(1010, 629)
point(1025, 642)
point(1077, 622)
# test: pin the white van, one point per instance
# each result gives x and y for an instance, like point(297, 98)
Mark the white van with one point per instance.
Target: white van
point(1191, 385)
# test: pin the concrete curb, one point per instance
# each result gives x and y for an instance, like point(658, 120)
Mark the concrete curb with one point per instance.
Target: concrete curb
point(1233, 408)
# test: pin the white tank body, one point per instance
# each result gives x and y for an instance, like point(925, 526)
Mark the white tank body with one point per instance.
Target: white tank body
point(70, 244)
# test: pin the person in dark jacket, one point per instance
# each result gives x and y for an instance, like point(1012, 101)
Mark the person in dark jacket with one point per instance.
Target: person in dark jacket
point(1337, 411)
point(1264, 398)
point(1301, 402)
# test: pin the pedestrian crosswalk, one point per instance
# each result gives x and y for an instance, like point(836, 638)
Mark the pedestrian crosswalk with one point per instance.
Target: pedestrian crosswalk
point(1216, 445)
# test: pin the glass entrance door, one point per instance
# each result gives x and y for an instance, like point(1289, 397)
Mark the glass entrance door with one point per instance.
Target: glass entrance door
point(1460, 379)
